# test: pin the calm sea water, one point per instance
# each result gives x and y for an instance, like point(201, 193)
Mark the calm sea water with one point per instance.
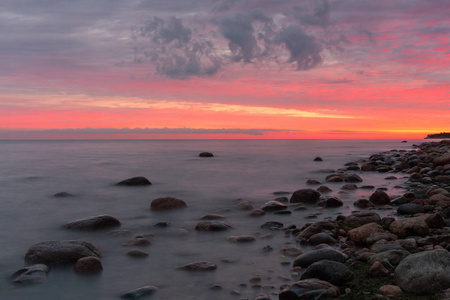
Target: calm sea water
point(33, 171)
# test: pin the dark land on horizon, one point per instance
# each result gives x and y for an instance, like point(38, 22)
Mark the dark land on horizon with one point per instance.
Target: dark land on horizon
point(442, 135)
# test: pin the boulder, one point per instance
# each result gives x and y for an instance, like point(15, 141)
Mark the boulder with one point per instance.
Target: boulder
point(360, 234)
point(332, 271)
point(93, 223)
point(273, 206)
point(353, 178)
point(30, 275)
point(212, 226)
point(257, 213)
point(309, 289)
point(291, 251)
point(331, 202)
point(244, 205)
point(305, 196)
point(167, 203)
point(321, 238)
point(360, 218)
point(315, 228)
point(60, 252)
point(379, 197)
point(135, 181)
point(206, 154)
point(323, 189)
point(394, 257)
point(378, 270)
point(424, 273)
point(90, 264)
point(349, 187)
point(140, 292)
point(242, 239)
point(308, 258)
point(363, 203)
point(442, 160)
point(390, 290)
point(199, 266)
point(409, 209)
point(410, 226)
point(318, 158)
point(435, 221)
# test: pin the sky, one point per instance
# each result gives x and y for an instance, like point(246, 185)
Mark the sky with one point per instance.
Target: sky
point(224, 69)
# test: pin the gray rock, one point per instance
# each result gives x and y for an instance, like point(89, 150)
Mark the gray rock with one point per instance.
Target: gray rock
point(140, 292)
point(30, 275)
point(206, 154)
point(394, 257)
point(332, 271)
point(93, 223)
point(134, 181)
point(410, 226)
point(361, 218)
point(167, 203)
point(90, 264)
point(379, 197)
point(273, 206)
point(309, 289)
point(305, 196)
point(137, 253)
point(409, 209)
point(321, 238)
point(212, 217)
point(308, 258)
point(199, 266)
point(212, 226)
point(378, 248)
point(60, 252)
point(353, 178)
point(272, 224)
point(424, 273)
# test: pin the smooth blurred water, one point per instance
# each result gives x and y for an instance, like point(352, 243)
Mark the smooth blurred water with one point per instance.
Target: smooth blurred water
point(33, 171)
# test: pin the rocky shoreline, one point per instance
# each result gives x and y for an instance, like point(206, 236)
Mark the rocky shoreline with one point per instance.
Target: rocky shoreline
point(359, 256)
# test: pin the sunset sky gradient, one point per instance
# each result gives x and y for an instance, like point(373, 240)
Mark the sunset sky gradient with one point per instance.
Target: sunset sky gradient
point(224, 68)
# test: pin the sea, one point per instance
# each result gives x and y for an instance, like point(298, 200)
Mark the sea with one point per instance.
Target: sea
point(33, 171)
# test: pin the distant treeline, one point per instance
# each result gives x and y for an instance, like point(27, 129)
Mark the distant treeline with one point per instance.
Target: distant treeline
point(442, 135)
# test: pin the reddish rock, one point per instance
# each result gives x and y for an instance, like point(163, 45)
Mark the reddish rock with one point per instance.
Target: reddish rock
point(378, 270)
point(360, 234)
point(390, 290)
point(257, 212)
point(410, 226)
point(167, 203)
point(90, 264)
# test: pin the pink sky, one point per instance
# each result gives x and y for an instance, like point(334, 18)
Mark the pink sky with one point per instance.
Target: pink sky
point(224, 69)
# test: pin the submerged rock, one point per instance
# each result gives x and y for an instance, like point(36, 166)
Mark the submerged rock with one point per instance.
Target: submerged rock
point(199, 266)
point(63, 195)
point(167, 203)
point(309, 289)
point(332, 271)
point(305, 196)
point(212, 226)
point(90, 264)
point(140, 292)
point(93, 223)
point(30, 275)
point(206, 154)
point(135, 181)
point(273, 206)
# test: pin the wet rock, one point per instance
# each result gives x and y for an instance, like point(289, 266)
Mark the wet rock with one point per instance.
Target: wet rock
point(394, 257)
point(367, 187)
point(379, 197)
point(378, 270)
point(435, 221)
point(283, 212)
point(335, 177)
point(442, 160)
point(378, 248)
point(212, 217)
point(324, 189)
point(390, 178)
point(140, 292)
point(331, 271)
point(60, 252)
point(282, 199)
point(313, 181)
point(212, 226)
point(244, 205)
point(321, 238)
point(257, 212)
point(242, 239)
point(424, 273)
point(291, 251)
point(272, 224)
point(206, 154)
point(316, 227)
point(93, 223)
point(62, 195)
point(318, 158)
point(409, 209)
point(135, 181)
point(309, 289)
point(361, 218)
point(349, 187)
point(199, 266)
point(273, 206)
point(308, 258)
point(410, 226)
point(360, 234)
point(167, 203)
point(390, 290)
point(305, 196)
point(162, 224)
point(137, 253)
point(262, 296)
point(267, 248)
point(363, 203)
point(90, 264)
point(137, 241)
point(30, 275)
point(353, 178)
point(331, 202)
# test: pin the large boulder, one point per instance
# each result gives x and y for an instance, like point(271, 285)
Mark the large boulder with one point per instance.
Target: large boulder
point(332, 271)
point(308, 258)
point(60, 252)
point(424, 273)
point(30, 275)
point(305, 196)
point(442, 160)
point(361, 218)
point(360, 234)
point(167, 203)
point(93, 223)
point(410, 226)
point(409, 209)
point(309, 289)
point(379, 197)
point(134, 181)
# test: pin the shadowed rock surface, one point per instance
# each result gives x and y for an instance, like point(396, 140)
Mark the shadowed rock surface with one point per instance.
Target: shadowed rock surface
point(93, 223)
point(135, 181)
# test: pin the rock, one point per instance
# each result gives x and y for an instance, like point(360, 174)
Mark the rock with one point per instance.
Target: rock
point(321, 238)
point(137, 241)
point(62, 195)
point(332, 202)
point(291, 251)
point(332, 271)
point(199, 266)
point(316, 228)
point(424, 273)
point(375, 237)
point(394, 257)
point(442, 160)
point(324, 189)
point(309, 289)
point(308, 258)
point(435, 221)
point(313, 181)
point(360, 234)
point(140, 292)
point(206, 154)
point(335, 177)
point(244, 205)
point(90, 264)
point(273, 206)
point(390, 290)
point(360, 218)
point(378, 270)
point(30, 275)
point(410, 226)
point(305, 196)
point(257, 212)
point(212, 226)
point(407, 244)
point(409, 209)
point(137, 253)
point(167, 203)
point(378, 248)
point(212, 217)
point(353, 178)
point(272, 224)
point(363, 203)
point(93, 223)
point(379, 197)
point(318, 158)
point(262, 296)
point(349, 187)
point(135, 181)
point(242, 238)
point(162, 224)
point(60, 252)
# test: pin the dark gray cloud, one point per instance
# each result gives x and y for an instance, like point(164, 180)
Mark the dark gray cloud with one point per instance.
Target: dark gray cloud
point(319, 16)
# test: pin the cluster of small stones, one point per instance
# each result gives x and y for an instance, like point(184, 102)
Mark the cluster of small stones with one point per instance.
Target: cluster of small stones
point(407, 256)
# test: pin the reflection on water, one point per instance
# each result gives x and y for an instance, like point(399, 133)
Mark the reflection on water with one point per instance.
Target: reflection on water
point(33, 171)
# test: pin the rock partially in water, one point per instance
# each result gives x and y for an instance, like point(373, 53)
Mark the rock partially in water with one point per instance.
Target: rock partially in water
point(63, 195)
point(137, 241)
point(262, 296)
point(331, 202)
point(332, 271)
point(167, 203)
point(318, 158)
point(323, 189)
point(137, 253)
point(242, 239)
point(257, 212)
point(305, 196)
point(272, 224)
point(363, 203)
point(309, 289)
point(273, 206)
point(90, 264)
point(379, 197)
point(212, 217)
point(308, 258)
point(60, 252)
point(93, 223)
point(424, 273)
point(206, 154)
point(135, 181)
point(212, 226)
point(291, 251)
point(353, 178)
point(349, 187)
point(140, 292)
point(199, 266)
point(313, 181)
point(30, 275)
point(244, 205)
